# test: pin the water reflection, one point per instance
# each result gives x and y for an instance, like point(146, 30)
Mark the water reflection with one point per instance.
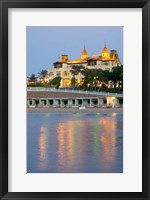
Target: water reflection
point(43, 148)
point(108, 138)
point(65, 139)
point(77, 143)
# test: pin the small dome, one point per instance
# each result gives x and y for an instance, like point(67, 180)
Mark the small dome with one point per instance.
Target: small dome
point(105, 53)
point(84, 54)
point(64, 58)
point(105, 50)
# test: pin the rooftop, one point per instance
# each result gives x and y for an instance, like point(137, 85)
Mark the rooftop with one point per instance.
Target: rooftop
point(55, 95)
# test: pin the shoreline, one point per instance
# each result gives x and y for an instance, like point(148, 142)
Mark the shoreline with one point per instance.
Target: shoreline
point(74, 110)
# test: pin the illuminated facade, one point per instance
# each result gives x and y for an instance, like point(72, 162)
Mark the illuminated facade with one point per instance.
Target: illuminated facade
point(62, 68)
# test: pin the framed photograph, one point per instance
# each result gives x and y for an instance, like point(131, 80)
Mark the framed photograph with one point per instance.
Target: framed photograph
point(74, 99)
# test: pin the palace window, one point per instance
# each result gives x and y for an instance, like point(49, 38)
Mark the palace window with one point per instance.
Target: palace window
point(58, 65)
point(51, 74)
point(58, 74)
point(105, 63)
point(92, 63)
point(66, 73)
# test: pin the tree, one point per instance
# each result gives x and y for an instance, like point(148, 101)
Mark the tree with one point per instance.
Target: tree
point(121, 76)
point(93, 78)
point(42, 75)
point(56, 82)
point(73, 81)
point(116, 75)
point(32, 79)
point(76, 69)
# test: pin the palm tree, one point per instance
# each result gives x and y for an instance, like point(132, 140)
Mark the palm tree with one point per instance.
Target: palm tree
point(32, 79)
point(42, 75)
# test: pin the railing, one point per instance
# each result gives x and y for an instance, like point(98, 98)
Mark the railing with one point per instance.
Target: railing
point(41, 89)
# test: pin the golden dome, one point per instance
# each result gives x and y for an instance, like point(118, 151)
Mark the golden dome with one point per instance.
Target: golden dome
point(105, 50)
point(64, 58)
point(84, 54)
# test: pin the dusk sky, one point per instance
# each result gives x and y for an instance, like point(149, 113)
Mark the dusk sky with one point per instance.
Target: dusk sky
point(46, 44)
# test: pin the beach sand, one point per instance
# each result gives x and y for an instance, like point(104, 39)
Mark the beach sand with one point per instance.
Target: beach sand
point(74, 110)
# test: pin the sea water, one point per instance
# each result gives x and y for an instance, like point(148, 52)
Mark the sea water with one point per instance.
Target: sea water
point(74, 142)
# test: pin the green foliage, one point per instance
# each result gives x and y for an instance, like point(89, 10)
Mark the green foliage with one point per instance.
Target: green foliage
point(43, 73)
point(111, 90)
point(35, 85)
point(73, 81)
point(76, 69)
point(33, 79)
point(55, 82)
point(116, 75)
point(93, 78)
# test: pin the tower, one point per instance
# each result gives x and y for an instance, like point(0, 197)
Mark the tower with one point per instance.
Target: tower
point(105, 52)
point(64, 58)
point(84, 54)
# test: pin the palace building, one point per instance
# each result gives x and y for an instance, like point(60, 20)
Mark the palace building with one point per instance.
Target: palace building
point(105, 60)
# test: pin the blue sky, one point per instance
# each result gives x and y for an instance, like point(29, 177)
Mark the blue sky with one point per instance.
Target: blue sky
point(46, 44)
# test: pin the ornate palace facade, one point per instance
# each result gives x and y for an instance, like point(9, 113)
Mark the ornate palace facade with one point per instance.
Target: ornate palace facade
point(62, 68)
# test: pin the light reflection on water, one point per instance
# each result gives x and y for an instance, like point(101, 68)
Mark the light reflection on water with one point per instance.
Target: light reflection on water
point(43, 148)
point(74, 143)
